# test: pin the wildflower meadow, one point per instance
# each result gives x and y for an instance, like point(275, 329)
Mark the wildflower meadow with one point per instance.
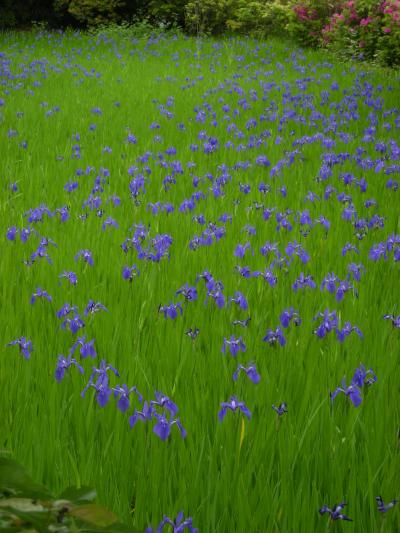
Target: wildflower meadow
point(200, 289)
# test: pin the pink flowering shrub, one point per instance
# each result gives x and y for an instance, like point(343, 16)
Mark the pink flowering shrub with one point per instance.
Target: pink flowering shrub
point(365, 29)
point(307, 19)
point(388, 45)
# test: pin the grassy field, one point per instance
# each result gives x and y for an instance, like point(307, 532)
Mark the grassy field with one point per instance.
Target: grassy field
point(100, 127)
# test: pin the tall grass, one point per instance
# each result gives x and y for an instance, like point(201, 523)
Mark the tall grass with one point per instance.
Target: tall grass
point(258, 475)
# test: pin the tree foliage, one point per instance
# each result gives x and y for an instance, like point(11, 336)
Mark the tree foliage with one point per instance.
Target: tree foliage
point(367, 29)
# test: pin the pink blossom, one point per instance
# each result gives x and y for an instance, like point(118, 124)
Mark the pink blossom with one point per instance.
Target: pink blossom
point(386, 30)
point(365, 22)
point(338, 16)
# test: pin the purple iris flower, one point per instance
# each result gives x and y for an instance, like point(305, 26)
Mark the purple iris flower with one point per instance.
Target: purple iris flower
point(65, 310)
point(272, 337)
point(70, 276)
point(63, 212)
point(178, 525)
point(103, 391)
point(245, 271)
point(39, 253)
point(268, 276)
point(94, 307)
point(352, 392)
point(393, 242)
point(131, 139)
point(288, 315)
point(281, 409)
point(329, 322)
point(122, 392)
point(343, 287)
point(171, 310)
point(218, 296)
point(115, 200)
point(250, 230)
point(129, 273)
point(329, 282)
point(25, 346)
point(293, 248)
point(336, 512)
point(36, 214)
point(394, 319)
point(346, 330)
point(163, 426)
point(165, 403)
point(304, 281)
point(71, 186)
point(74, 324)
point(355, 270)
point(187, 205)
point(349, 247)
point(268, 248)
point(349, 212)
point(240, 249)
point(200, 219)
point(109, 222)
point(63, 364)
point(86, 256)
point(233, 404)
point(12, 233)
point(86, 349)
point(324, 222)
point(244, 188)
point(40, 293)
point(239, 299)
point(377, 251)
point(234, 345)
point(363, 377)
point(250, 371)
point(190, 293)
point(145, 415)
point(328, 191)
point(382, 508)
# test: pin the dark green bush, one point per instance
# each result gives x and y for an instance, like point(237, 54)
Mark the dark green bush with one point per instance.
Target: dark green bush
point(211, 17)
point(91, 12)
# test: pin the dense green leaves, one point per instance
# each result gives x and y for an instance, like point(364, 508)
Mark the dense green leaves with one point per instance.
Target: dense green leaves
point(15, 481)
point(27, 506)
point(362, 28)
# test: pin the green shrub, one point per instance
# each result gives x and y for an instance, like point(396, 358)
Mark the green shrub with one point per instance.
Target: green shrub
point(91, 12)
point(167, 13)
point(210, 17)
point(262, 18)
point(8, 17)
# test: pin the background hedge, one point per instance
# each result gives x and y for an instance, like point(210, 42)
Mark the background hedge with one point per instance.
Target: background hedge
point(364, 29)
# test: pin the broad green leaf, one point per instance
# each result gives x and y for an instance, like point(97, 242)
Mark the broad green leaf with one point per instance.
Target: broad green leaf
point(25, 505)
point(84, 494)
point(14, 480)
point(94, 514)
